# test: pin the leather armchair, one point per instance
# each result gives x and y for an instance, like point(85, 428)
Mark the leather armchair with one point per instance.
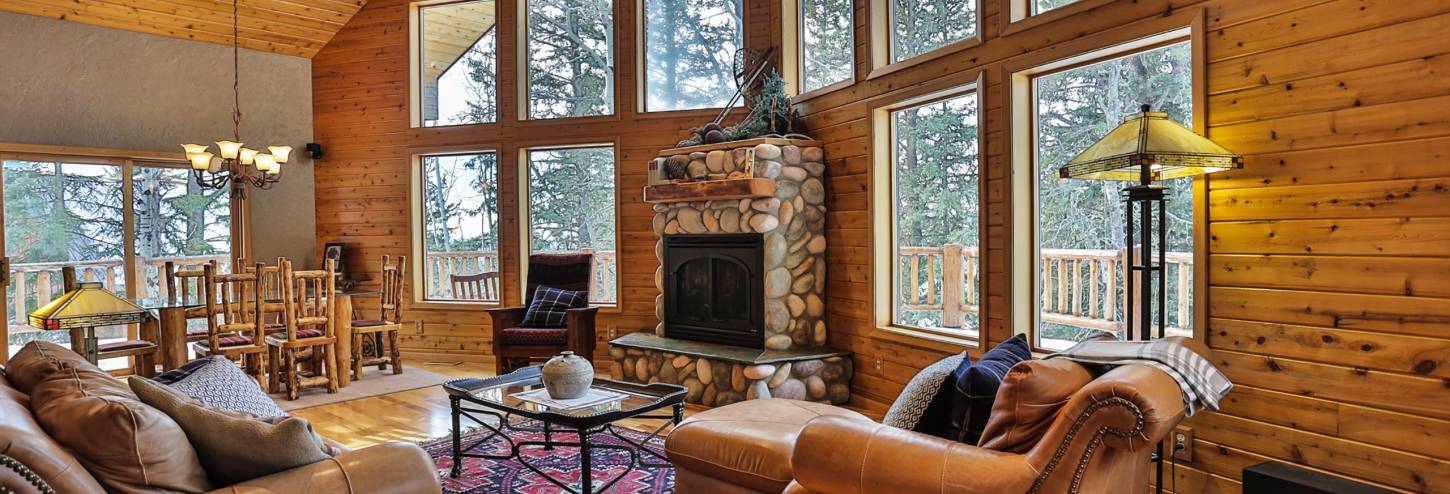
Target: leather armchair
point(515, 346)
point(1099, 442)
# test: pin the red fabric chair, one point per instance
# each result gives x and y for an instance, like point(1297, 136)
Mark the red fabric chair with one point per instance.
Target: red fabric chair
point(515, 346)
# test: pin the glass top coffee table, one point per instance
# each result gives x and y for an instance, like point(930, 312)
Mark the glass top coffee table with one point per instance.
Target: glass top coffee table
point(475, 398)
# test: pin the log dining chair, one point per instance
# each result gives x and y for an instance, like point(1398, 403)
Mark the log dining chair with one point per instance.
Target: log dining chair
point(388, 323)
point(144, 350)
point(187, 285)
point(516, 345)
point(481, 286)
point(233, 312)
point(308, 300)
point(269, 281)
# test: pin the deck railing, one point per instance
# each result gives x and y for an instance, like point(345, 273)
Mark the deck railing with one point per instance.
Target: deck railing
point(440, 266)
point(36, 283)
point(1080, 287)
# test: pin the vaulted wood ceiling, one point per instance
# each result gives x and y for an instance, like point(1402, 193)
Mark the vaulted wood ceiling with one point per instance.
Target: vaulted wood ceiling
point(289, 27)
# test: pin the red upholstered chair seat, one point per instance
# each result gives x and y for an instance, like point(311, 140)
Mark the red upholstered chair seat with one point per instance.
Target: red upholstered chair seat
point(302, 334)
point(367, 323)
point(534, 336)
point(227, 341)
point(123, 345)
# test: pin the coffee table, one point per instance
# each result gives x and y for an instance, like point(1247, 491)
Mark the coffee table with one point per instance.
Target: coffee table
point(475, 397)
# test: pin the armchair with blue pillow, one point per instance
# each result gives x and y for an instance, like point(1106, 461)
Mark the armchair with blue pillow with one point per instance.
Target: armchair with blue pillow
point(555, 317)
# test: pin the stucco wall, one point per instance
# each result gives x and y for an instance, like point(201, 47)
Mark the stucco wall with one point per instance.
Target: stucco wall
point(70, 84)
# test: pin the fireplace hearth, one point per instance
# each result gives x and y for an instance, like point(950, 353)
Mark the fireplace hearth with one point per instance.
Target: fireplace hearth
point(713, 288)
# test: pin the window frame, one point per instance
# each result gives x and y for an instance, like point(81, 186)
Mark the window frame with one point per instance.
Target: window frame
point(127, 160)
point(525, 210)
point(878, 17)
point(416, 196)
point(882, 193)
point(793, 53)
point(641, 66)
point(415, 63)
point(522, 62)
point(1020, 16)
point(1019, 73)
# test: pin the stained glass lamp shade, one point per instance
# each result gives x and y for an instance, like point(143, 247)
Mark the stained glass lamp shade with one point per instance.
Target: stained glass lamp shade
point(1150, 138)
point(87, 306)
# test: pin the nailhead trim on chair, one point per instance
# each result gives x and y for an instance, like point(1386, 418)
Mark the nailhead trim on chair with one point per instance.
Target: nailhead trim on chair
point(1092, 446)
point(26, 473)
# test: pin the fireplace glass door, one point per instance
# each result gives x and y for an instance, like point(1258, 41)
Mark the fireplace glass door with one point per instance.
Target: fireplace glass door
point(713, 289)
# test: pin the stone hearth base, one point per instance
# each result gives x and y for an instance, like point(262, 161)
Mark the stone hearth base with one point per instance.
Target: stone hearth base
point(718, 375)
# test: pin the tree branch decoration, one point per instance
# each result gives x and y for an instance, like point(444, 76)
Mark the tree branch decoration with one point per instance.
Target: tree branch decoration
point(771, 113)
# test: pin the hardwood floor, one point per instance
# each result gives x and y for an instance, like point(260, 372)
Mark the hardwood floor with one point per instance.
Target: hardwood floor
point(412, 416)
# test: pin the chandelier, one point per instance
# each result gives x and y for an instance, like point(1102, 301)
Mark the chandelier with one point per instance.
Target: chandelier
point(234, 163)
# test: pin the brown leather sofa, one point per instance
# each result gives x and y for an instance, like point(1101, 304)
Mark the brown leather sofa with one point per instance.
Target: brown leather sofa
point(33, 461)
point(1098, 442)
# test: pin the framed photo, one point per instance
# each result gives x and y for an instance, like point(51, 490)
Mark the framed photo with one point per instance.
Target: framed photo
point(332, 251)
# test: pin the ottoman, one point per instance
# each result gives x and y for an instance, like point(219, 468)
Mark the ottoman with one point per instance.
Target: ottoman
point(741, 448)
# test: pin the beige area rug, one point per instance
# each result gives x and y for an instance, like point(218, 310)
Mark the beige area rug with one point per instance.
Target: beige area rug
point(374, 383)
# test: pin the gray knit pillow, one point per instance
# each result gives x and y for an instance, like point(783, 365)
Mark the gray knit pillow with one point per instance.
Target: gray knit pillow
point(922, 406)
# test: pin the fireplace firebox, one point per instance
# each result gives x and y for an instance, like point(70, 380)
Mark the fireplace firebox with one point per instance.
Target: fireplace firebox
point(713, 288)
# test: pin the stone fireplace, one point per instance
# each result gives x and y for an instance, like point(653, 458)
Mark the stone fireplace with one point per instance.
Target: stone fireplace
point(742, 246)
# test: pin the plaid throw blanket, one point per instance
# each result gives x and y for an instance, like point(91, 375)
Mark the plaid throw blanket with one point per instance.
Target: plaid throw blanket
point(1203, 385)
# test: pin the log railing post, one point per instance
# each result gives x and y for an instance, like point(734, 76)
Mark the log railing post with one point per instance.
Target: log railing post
point(18, 281)
point(953, 281)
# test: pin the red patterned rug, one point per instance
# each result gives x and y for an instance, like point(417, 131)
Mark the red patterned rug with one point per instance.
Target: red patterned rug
point(482, 476)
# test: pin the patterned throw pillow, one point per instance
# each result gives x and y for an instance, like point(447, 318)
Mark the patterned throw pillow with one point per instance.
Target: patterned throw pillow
point(549, 306)
point(924, 404)
point(976, 388)
point(218, 383)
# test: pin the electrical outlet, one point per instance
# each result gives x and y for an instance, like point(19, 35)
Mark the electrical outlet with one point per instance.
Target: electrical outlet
point(611, 330)
point(1183, 443)
point(877, 364)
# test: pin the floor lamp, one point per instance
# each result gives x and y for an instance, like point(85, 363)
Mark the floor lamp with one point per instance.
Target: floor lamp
point(1148, 147)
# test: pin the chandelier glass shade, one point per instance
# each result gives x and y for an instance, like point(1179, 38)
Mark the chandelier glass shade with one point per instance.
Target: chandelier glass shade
point(232, 163)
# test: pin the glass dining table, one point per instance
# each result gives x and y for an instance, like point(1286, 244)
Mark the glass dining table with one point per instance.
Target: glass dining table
point(168, 326)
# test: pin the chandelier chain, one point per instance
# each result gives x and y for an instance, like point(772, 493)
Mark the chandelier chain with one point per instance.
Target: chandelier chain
point(236, 72)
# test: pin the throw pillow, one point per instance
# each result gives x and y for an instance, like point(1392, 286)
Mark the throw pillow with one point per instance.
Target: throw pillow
point(976, 387)
point(219, 383)
point(37, 360)
point(234, 449)
point(549, 307)
point(924, 404)
point(1029, 401)
point(128, 446)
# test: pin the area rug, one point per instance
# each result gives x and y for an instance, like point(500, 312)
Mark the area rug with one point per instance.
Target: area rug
point(374, 383)
point(482, 476)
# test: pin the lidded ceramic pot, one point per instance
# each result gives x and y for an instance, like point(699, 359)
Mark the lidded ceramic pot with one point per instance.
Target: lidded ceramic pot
point(568, 376)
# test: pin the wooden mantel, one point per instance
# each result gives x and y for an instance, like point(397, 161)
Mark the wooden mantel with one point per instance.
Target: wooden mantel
point(711, 190)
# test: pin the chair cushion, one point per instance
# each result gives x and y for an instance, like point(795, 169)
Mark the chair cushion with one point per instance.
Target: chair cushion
point(302, 334)
point(747, 443)
point(925, 404)
point(127, 445)
point(367, 323)
point(976, 387)
point(203, 347)
point(533, 336)
point(218, 383)
point(1028, 402)
point(116, 346)
point(550, 306)
point(228, 445)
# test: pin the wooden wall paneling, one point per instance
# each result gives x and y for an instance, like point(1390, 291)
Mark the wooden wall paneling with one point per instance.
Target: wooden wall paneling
point(1327, 252)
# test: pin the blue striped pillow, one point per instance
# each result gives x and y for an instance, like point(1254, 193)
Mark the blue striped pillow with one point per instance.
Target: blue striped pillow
point(976, 387)
point(550, 305)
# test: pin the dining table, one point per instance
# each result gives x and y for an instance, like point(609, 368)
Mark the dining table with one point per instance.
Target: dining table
point(168, 324)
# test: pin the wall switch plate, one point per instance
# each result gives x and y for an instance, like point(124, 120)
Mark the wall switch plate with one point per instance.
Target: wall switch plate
point(1183, 443)
point(876, 364)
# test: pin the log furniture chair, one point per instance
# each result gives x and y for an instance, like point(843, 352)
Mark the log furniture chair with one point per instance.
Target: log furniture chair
point(269, 283)
point(188, 286)
point(515, 346)
point(233, 312)
point(143, 350)
point(308, 301)
point(481, 286)
point(389, 322)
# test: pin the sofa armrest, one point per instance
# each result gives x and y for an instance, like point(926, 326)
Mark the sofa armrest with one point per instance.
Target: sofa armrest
point(839, 455)
point(389, 468)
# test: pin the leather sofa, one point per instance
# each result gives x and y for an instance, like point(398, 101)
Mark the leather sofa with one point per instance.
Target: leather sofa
point(1098, 442)
point(33, 461)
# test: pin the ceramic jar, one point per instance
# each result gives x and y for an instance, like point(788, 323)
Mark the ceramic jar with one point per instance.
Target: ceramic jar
point(568, 376)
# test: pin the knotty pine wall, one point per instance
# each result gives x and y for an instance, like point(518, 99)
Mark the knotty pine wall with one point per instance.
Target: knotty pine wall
point(1329, 254)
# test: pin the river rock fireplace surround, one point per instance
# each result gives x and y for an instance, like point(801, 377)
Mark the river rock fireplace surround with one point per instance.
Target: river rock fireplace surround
point(742, 277)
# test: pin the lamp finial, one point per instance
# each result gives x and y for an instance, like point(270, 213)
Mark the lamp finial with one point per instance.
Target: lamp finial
point(1145, 108)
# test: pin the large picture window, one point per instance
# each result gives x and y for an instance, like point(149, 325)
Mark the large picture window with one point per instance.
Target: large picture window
point(1078, 225)
point(570, 58)
point(935, 189)
point(689, 50)
point(920, 26)
point(827, 43)
point(456, 64)
point(75, 213)
point(571, 202)
point(459, 227)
